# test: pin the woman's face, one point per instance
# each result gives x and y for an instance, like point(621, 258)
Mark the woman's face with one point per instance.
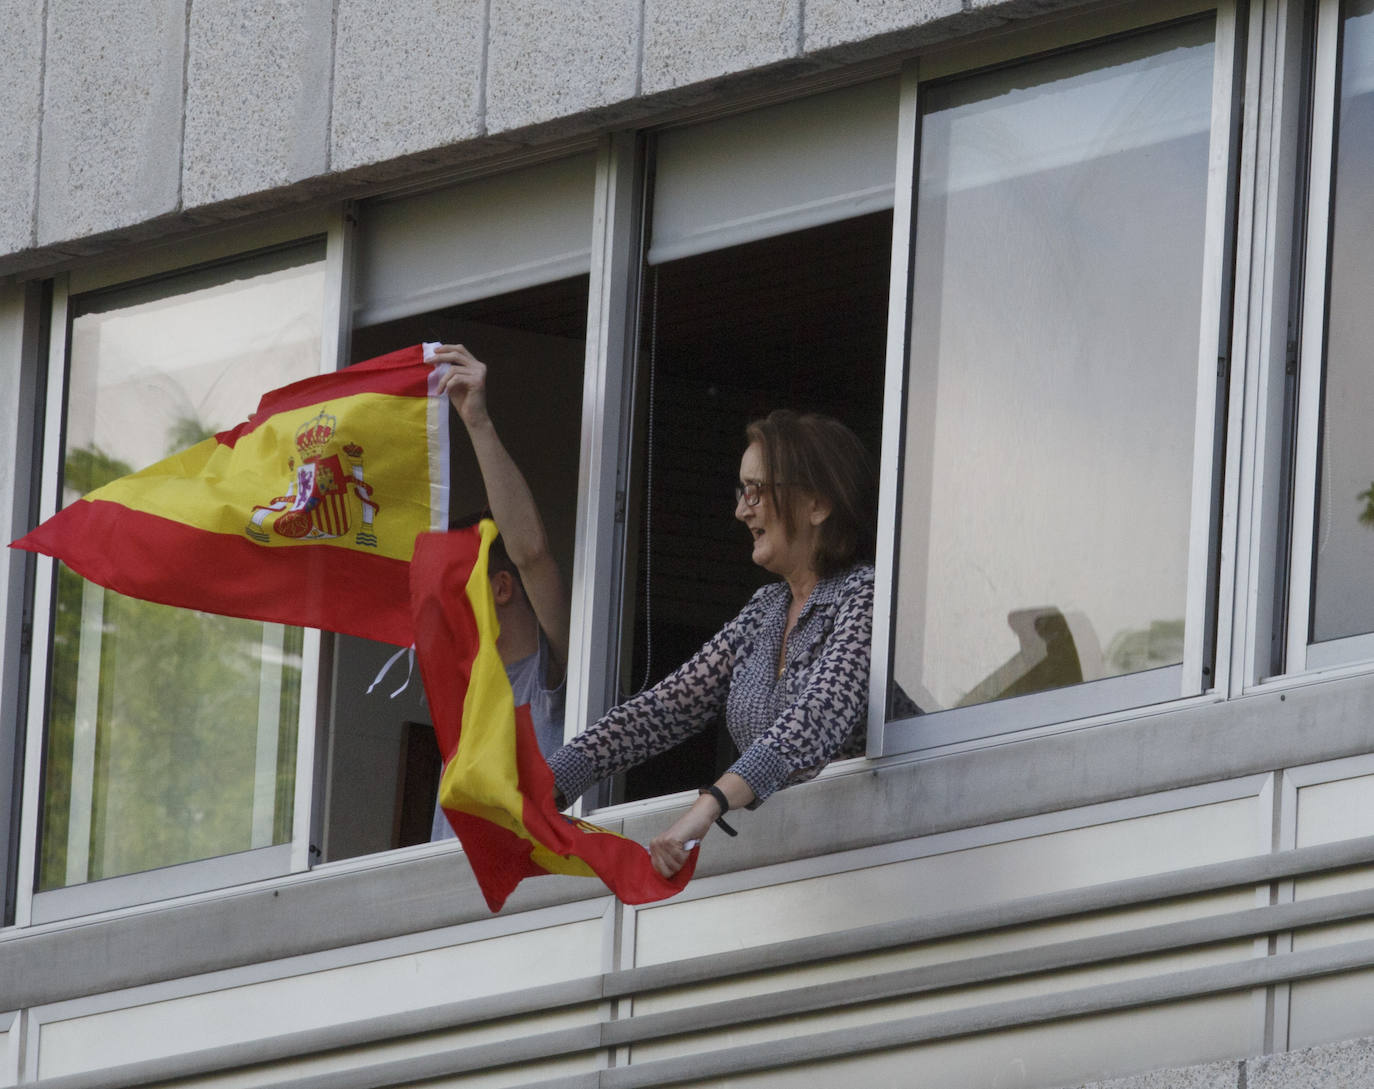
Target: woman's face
point(775, 549)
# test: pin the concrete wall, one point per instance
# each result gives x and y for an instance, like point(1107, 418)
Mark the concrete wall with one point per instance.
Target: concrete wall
point(137, 118)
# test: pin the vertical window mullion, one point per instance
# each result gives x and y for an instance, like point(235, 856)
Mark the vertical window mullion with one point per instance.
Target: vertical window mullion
point(611, 305)
point(1214, 382)
point(894, 400)
point(1312, 352)
point(44, 593)
point(334, 343)
point(1266, 309)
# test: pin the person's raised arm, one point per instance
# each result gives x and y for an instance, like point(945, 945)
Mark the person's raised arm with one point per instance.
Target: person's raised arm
point(508, 495)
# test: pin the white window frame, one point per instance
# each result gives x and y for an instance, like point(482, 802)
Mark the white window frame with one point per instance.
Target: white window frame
point(32, 907)
point(1092, 701)
point(1302, 656)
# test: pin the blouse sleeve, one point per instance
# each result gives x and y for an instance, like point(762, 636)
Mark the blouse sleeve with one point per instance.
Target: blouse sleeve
point(683, 703)
point(832, 703)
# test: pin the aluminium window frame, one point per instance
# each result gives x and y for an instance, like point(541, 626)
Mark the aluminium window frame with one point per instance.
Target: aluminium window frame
point(1205, 670)
point(127, 892)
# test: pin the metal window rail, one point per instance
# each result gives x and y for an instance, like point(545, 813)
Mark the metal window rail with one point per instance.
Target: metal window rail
point(1242, 974)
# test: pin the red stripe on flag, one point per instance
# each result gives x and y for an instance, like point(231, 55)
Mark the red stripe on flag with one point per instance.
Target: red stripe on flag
point(161, 560)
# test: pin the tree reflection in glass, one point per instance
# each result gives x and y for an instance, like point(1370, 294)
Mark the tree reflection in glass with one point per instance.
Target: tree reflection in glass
point(171, 733)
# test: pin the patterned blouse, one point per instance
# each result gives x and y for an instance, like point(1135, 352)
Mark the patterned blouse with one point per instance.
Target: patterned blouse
point(787, 726)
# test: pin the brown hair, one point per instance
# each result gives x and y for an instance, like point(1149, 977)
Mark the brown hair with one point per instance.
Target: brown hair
point(818, 454)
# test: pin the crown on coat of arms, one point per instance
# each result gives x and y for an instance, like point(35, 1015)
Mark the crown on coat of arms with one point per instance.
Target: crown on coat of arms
point(353, 450)
point(312, 437)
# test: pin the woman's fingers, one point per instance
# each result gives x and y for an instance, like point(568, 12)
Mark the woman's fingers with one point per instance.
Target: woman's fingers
point(668, 855)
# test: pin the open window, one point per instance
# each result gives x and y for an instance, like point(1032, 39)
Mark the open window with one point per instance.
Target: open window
point(765, 286)
point(499, 265)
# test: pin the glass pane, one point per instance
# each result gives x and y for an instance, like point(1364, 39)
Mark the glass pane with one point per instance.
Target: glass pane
point(1048, 455)
point(171, 733)
point(1343, 594)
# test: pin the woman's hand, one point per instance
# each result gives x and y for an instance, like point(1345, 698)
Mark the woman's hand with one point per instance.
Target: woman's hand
point(466, 382)
point(668, 851)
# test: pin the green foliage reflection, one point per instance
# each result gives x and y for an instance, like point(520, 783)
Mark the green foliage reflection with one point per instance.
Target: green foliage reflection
point(154, 758)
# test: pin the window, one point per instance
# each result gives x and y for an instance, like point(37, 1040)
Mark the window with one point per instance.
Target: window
point(499, 264)
point(1332, 598)
point(765, 286)
point(170, 735)
point(382, 765)
point(1057, 492)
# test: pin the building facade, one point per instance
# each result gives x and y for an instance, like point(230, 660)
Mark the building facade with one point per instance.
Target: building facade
point(1086, 278)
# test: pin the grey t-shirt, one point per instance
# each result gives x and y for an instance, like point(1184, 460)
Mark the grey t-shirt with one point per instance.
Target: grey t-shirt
point(528, 682)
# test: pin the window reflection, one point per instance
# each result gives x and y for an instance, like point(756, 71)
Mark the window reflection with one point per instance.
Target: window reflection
point(1343, 592)
point(171, 734)
point(1048, 456)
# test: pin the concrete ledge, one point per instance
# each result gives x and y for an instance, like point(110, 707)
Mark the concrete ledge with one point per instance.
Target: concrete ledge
point(892, 802)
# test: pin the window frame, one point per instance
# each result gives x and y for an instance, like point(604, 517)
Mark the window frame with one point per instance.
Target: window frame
point(1208, 616)
point(34, 907)
point(1301, 655)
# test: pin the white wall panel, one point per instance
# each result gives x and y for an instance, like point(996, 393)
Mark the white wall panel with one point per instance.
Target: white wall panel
point(1246, 1036)
point(954, 880)
point(353, 1058)
point(1341, 807)
point(9, 1048)
point(960, 949)
point(356, 992)
point(1065, 1053)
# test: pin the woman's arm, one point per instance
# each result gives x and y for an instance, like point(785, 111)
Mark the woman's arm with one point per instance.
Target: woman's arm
point(669, 851)
point(681, 704)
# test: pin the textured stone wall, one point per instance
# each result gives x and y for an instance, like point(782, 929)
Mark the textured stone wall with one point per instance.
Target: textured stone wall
point(139, 118)
point(1345, 1065)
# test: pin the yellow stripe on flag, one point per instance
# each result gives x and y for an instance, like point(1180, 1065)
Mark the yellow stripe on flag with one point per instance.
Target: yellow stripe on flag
point(254, 488)
point(483, 778)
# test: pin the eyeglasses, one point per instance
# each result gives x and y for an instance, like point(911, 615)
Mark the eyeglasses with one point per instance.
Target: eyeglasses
point(751, 491)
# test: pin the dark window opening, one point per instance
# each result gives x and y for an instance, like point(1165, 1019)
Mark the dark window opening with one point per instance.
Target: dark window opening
point(797, 321)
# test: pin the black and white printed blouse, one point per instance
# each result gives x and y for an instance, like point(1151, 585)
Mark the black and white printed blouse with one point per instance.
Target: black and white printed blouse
point(787, 726)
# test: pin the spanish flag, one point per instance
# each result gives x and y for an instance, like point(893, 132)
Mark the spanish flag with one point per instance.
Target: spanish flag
point(496, 789)
point(304, 514)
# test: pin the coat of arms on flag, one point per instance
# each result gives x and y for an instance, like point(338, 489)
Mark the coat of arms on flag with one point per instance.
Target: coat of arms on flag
point(327, 486)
